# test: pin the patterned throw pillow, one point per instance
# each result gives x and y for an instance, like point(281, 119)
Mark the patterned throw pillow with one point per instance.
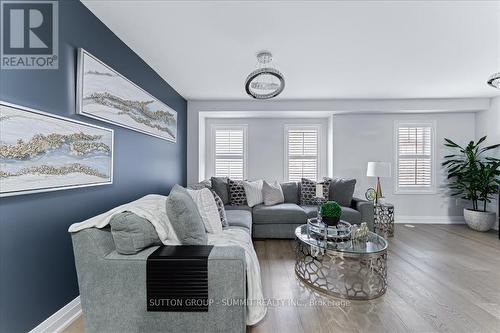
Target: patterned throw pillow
point(221, 209)
point(308, 191)
point(237, 196)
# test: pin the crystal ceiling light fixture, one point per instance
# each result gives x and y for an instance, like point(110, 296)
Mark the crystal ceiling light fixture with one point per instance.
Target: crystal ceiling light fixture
point(266, 81)
point(494, 80)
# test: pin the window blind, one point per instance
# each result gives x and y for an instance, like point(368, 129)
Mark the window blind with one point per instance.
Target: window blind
point(414, 156)
point(229, 153)
point(302, 154)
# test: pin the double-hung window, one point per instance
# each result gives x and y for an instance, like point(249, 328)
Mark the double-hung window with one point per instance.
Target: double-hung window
point(229, 151)
point(301, 152)
point(414, 157)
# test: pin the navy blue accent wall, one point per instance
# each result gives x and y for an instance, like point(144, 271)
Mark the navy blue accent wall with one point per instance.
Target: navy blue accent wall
point(37, 273)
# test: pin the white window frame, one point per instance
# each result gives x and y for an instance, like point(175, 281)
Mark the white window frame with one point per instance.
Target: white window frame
point(415, 190)
point(211, 158)
point(288, 127)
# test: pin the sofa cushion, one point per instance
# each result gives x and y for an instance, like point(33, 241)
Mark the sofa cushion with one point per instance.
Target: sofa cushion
point(290, 192)
point(245, 207)
point(283, 213)
point(308, 191)
point(132, 233)
point(311, 211)
point(237, 195)
point(342, 190)
point(239, 218)
point(185, 217)
point(220, 186)
point(350, 215)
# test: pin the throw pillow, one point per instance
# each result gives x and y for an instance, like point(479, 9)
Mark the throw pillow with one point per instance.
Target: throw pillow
point(221, 209)
point(207, 207)
point(200, 185)
point(220, 185)
point(185, 217)
point(273, 194)
point(308, 191)
point(132, 233)
point(253, 192)
point(291, 192)
point(237, 196)
point(342, 190)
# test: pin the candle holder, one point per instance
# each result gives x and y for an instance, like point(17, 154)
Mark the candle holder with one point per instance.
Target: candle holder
point(319, 202)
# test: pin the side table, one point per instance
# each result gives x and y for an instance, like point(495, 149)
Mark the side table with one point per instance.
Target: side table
point(383, 221)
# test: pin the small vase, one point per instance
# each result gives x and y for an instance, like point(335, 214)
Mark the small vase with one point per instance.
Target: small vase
point(331, 221)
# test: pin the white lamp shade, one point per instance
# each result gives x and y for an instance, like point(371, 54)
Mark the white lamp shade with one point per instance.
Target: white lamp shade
point(378, 169)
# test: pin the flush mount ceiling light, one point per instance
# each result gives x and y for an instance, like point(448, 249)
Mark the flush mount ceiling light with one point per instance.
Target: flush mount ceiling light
point(494, 80)
point(266, 81)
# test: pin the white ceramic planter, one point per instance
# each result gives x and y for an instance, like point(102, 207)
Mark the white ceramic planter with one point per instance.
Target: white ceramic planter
point(479, 221)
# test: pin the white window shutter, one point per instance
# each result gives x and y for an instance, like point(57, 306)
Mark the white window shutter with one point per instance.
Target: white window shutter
point(414, 156)
point(302, 153)
point(229, 153)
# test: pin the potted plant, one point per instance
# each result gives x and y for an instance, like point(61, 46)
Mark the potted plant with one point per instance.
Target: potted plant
point(330, 213)
point(476, 178)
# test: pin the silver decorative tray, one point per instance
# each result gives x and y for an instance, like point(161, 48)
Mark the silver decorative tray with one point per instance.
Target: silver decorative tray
point(339, 233)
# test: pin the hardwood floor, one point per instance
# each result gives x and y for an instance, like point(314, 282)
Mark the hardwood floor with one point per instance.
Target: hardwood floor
point(442, 278)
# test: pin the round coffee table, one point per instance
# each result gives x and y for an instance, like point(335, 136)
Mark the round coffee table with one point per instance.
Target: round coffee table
point(351, 269)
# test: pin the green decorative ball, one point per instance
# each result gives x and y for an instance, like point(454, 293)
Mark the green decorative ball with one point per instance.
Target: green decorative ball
point(331, 209)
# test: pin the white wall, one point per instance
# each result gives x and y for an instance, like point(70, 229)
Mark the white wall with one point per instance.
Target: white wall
point(360, 138)
point(199, 110)
point(488, 123)
point(362, 131)
point(266, 143)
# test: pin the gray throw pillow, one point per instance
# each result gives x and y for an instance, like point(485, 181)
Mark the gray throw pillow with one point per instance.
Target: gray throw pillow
point(342, 190)
point(221, 187)
point(132, 233)
point(185, 217)
point(201, 185)
point(290, 192)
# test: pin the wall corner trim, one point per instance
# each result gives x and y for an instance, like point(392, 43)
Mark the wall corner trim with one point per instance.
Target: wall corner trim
point(61, 319)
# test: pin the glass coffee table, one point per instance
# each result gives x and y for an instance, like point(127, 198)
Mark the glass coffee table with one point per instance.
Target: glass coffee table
point(351, 269)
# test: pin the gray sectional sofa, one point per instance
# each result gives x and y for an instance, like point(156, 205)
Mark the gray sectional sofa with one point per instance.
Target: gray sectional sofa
point(113, 285)
point(281, 220)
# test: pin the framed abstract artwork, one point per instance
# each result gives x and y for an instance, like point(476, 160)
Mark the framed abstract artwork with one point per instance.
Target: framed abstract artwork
point(106, 95)
point(42, 152)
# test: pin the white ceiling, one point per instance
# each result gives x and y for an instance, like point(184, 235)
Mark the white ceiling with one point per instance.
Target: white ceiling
point(325, 49)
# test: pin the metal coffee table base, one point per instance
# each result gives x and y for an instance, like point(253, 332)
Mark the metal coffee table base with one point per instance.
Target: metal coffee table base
point(339, 274)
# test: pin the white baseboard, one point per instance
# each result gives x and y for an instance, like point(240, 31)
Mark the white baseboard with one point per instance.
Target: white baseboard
point(61, 319)
point(429, 219)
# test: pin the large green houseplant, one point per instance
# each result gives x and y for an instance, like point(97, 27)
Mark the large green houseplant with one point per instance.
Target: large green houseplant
point(474, 177)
